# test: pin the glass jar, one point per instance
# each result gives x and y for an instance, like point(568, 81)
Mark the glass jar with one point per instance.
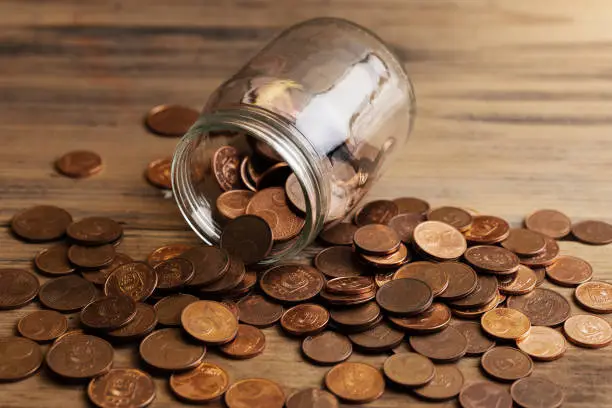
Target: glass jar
point(326, 104)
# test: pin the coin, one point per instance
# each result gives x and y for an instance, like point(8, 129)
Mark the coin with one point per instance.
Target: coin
point(170, 120)
point(392, 297)
point(524, 242)
point(381, 337)
point(340, 299)
point(445, 346)
point(255, 393)
point(142, 324)
point(91, 257)
point(339, 234)
point(355, 382)
point(439, 240)
point(210, 322)
point(504, 323)
point(337, 262)
point(411, 205)
point(68, 293)
point(376, 239)
point(108, 313)
point(543, 307)
point(135, 388)
point(244, 287)
point(173, 273)
point(204, 383)
point(447, 383)
point(210, 264)
point(19, 358)
point(485, 292)
point(487, 229)
point(294, 191)
point(95, 231)
point(425, 271)
point(229, 281)
point(536, 392)
point(357, 316)
point(588, 331)
point(551, 223)
point(327, 347)
point(596, 297)
point(540, 275)
point(393, 260)
point(225, 166)
point(352, 285)
point(167, 349)
point(311, 398)
point(41, 223)
point(484, 394)
point(17, 288)
point(382, 278)
point(292, 282)
point(136, 280)
point(80, 356)
point(492, 259)
point(54, 261)
point(79, 164)
point(569, 271)
point(248, 343)
point(593, 232)
point(456, 217)
point(523, 282)
point(434, 319)
point(404, 225)
point(478, 343)
point(232, 204)
point(409, 369)
point(549, 256)
point(258, 311)
point(271, 205)
point(42, 325)
point(169, 308)
point(376, 212)
point(167, 252)
point(158, 173)
point(506, 363)
point(275, 176)
point(305, 319)
point(462, 280)
point(543, 343)
point(248, 238)
point(245, 176)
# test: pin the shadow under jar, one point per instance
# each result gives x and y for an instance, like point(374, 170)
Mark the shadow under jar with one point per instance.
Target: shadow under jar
point(319, 111)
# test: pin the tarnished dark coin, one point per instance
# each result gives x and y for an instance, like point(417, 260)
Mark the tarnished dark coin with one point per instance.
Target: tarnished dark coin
point(135, 388)
point(167, 252)
point(206, 382)
point(521, 283)
point(244, 287)
point(352, 285)
point(411, 205)
point(339, 234)
point(95, 231)
point(232, 204)
point(276, 175)
point(404, 224)
point(569, 271)
point(292, 282)
point(409, 369)
point(80, 356)
point(492, 259)
point(142, 324)
point(79, 164)
point(271, 205)
point(456, 217)
point(41, 223)
point(136, 280)
point(551, 223)
point(99, 276)
point(108, 313)
point(593, 232)
point(67, 294)
point(42, 325)
point(255, 393)
point(158, 173)
point(378, 338)
point(376, 239)
point(19, 358)
point(485, 292)
point(536, 392)
point(230, 280)
point(588, 331)
point(168, 349)
point(487, 229)
point(169, 308)
point(543, 307)
point(596, 297)
point(389, 261)
point(248, 238)
point(225, 166)
point(54, 261)
point(210, 322)
point(305, 319)
point(357, 316)
point(174, 273)
point(506, 363)
point(268, 153)
point(430, 273)
point(248, 343)
point(547, 257)
point(376, 212)
point(439, 240)
point(311, 398)
point(445, 346)
point(327, 347)
point(258, 311)
point(91, 257)
point(462, 280)
point(393, 297)
point(478, 343)
point(357, 383)
point(17, 288)
point(484, 394)
point(524, 242)
point(170, 120)
point(210, 264)
point(446, 384)
point(434, 319)
point(338, 261)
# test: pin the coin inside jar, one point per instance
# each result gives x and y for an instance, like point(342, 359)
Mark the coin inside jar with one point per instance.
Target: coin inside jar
point(232, 204)
point(167, 349)
point(392, 297)
point(445, 346)
point(376, 239)
point(248, 343)
point(204, 383)
point(569, 271)
point(543, 343)
point(504, 323)
point(305, 319)
point(271, 205)
point(409, 369)
point(327, 347)
point(355, 382)
point(596, 297)
point(430, 273)
point(102, 389)
point(506, 363)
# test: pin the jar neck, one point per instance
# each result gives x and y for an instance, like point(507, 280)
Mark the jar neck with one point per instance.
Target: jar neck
point(274, 130)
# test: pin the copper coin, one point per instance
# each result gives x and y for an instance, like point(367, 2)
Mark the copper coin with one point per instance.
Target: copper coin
point(428, 272)
point(271, 205)
point(229, 281)
point(593, 232)
point(462, 280)
point(536, 392)
point(204, 383)
point(327, 347)
point(569, 271)
point(305, 319)
point(248, 238)
point(456, 217)
point(447, 383)
point(276, 175)
point(210, 322)
point(167, 252)
point(245, 176)
point(168, 349)
point(506, 363)
point(225, 165)
point(292, 282)
point(439, 240)
point(170, 120)
point(357, 316)
point(142, 324)
point(248, 343)
point(596, 297)
point(543, 307)
point(523, 282)
point(339, 234)
point(91, 257)
point(41, 223)
point(409, 369)
point(67, 294)
point(543, 343)
point(95, 231)
point(444, 346)
point(411, 205)
point(588, 331)
point(378, 338)
point(393, 260)
point(17, 288)
point(158, 173)
point(169, 308)
point(478, 343)
point(136, 280)
point(340, 299)
point(404, 225)
point(376, 239)
point(232, 204)
point(484, 394)
point(393, 297)
point(19, 358)
point(478, 311)
point(80, 356)
point(312, 398)
point(492, 259)
point(255, 393)
point(552, 223)
point(173, 273)
point(355, 382)
point(337, 262)
point(294, 191)
point(243, 288)
point(376, 212)
point(540, 275)
point(547, 257)
point(382, 278)
point(210, 264)
point(352, 285)
point(524, 242)
point(108, 313)
point(42, 325)
point(485, 292)
point(504, 323)
point(434, 319)
point(99, 276)
point(54, 261)
point(487, 229)
point(135, 388)
point(79, 164)
point(258, 311)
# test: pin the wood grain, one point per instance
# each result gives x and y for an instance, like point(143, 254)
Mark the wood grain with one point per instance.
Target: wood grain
point(514, 114)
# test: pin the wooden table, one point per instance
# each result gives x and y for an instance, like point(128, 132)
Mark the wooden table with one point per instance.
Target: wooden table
point(514, 102)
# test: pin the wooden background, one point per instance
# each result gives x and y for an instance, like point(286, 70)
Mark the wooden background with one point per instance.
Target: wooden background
point(514, 114)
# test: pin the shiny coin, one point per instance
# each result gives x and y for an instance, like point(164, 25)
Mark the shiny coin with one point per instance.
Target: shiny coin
point(170, 120)
point(42, 325)
point(523, 282)
point(210, 264)
point(588, 331)
point(136, 280)
point(292, 283)
point(462, 280)
point(327, 348)
point(210, 322)
point(353, 285)
point(485, 293)
point(409, 369)
point(248, 238)
point(378, 338)
point(103, 390)
point(398, 258)
point(271, 205)
point(54, 261)
point(258, 311)
point(255, 393)
point(17, 288)
point(453, 216)
point(376, 212)
point(174, 273)
point(355, 382)
point(393, 298)
point(99, 276)
point(248, 343)
point(225, 166)
point(142, 324)
point(596, 297)
point(357, 316)
point(543, 343)
point(543, 307)
point(484, 394)
point(338, 261)
point(404, 224)
point(204, 383)
point(305, 319)
point(504, 323)
point(108, 313)
point(339, 234)
point(158, 173)
point(312, 398)
point(593, 232)
point(569, 271)
point(167, 252)
point(434, 319)
point(547, 257)
point(524, 242)
point(439, 240)
point(19, 358)
point(478, 343)
point(487, 229)
point(445, 346)
point(79, 164)
point(428, 272)
point(91, 257)
point(447, 383)
point(506, 363)
point(80, 356)
point(95, 231)
point(232, 204)
point(492, 259)
point(376, 239)
point(167, 349)
point(67, 294)
point(536, 392)
point(411, 205)
point(41, 223)
point(169, 308)
point(551, 223)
